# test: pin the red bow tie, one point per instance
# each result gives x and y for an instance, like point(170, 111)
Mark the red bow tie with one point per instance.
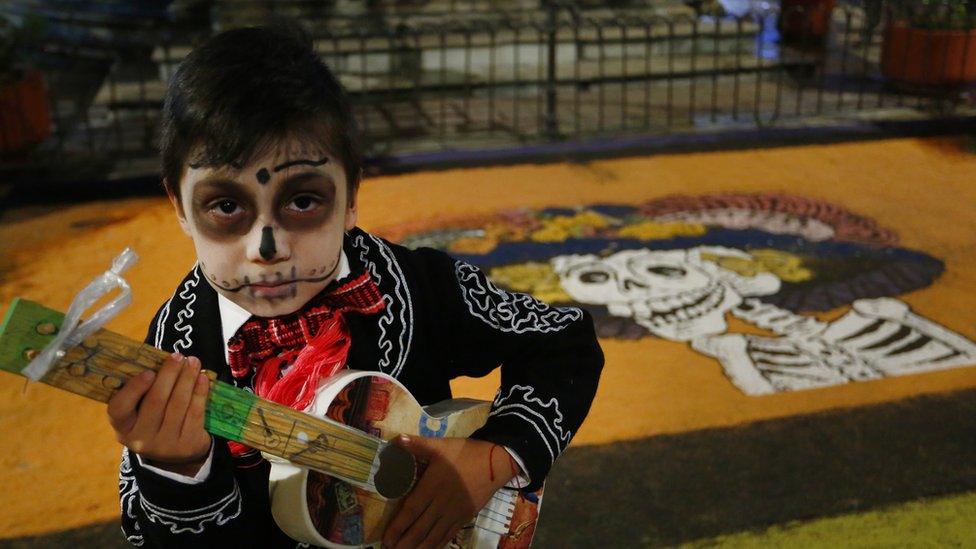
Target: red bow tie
point(315, 335)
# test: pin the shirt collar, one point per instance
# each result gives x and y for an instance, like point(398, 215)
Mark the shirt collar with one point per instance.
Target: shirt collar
point(233, 316)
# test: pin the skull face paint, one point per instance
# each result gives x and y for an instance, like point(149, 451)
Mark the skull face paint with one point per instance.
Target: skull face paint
point(269, 247)
point(674, 294)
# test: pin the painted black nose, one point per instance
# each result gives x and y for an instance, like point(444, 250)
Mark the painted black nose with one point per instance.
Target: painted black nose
point(267, 249)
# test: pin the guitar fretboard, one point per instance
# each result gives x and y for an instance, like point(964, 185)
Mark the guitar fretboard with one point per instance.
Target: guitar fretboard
point(101, 364)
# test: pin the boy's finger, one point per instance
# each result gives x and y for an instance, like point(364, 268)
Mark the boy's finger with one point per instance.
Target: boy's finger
point(153, 405)
point(419, 530)
point(179, 399)
point(197, 411)
point(122, 406)
point(438, 535)
point(412, 508)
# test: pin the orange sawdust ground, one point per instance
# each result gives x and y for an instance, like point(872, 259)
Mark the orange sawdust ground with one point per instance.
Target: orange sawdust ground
point(58, 457)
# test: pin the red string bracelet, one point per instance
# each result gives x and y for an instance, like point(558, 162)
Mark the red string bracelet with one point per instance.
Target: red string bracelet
point(511, 462)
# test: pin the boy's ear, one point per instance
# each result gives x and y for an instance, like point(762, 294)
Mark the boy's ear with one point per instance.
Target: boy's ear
point(178, 207)
point(352, 208)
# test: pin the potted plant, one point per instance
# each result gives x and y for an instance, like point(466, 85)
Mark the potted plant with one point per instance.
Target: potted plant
point(25, 118)
point(930, 42)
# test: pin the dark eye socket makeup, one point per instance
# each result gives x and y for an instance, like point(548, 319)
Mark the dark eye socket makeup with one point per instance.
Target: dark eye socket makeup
point(213, 189)
point(303, 203)
point(216, 196)
point(225, 204)
point(306, 199)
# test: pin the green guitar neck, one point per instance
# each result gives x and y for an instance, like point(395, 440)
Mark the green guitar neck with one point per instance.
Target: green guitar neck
point(101, 364)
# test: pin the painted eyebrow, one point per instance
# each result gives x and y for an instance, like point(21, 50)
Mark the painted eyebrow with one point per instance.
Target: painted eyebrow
point(301, 162)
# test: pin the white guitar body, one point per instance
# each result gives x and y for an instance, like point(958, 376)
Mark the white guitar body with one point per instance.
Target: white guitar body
point(322, 510)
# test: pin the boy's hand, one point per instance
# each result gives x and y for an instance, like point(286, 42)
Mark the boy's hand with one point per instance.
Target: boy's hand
point(160, 415)
point(454, 487)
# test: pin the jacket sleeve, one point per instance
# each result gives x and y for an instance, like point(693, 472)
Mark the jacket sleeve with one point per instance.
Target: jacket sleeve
point(162, 512)
point(549, 356)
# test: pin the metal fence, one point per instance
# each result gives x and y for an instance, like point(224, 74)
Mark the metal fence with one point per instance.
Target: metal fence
point(458, 76)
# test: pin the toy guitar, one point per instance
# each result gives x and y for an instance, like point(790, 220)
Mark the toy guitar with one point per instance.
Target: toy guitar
point(335, 481)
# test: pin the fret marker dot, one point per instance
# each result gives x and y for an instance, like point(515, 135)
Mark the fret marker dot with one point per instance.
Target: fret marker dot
point(303, 436)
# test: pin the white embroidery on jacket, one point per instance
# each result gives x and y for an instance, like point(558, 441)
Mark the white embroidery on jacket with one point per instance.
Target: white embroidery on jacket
point(193, 520)
point(545, 417)
point(182, 324)
point(404, 312)
point(129, 494)
point(509, 311)
point(161, 323)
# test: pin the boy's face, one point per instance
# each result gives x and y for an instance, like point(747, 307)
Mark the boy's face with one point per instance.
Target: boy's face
point(268, 235)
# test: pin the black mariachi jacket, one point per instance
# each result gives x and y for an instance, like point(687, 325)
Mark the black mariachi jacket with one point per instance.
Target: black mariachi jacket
point(443, 319)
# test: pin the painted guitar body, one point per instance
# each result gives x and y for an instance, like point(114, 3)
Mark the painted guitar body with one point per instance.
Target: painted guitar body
point(322, 510)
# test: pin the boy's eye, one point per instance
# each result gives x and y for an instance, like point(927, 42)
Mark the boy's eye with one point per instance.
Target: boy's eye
point(303, 203)
point(225, 207)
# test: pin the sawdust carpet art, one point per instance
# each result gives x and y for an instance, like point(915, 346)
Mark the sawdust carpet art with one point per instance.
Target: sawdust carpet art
point(674, 268)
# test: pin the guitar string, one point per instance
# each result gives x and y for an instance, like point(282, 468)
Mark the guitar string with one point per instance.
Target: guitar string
point(367, 447)
point(474, 524)
point(488, 517)
point(357, 467)
point(363, 442)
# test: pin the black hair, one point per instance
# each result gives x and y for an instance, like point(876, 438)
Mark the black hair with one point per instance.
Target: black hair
point(245, 89)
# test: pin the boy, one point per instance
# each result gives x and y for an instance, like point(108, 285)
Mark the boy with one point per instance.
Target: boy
point(260, 163)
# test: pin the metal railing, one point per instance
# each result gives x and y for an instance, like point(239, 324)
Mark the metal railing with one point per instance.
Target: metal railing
point(563, 71)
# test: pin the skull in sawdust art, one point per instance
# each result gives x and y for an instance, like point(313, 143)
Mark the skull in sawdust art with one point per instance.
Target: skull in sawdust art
point(675, 294)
